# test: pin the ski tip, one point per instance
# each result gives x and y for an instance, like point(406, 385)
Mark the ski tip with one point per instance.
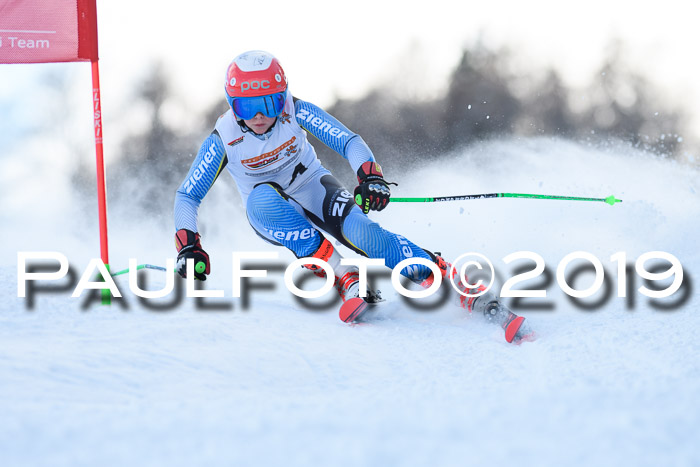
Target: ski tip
point(352, 309)
point(513, 328)
point(518, 332)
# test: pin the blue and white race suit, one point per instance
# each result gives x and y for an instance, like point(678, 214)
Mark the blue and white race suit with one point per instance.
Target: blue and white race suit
point(287, 192)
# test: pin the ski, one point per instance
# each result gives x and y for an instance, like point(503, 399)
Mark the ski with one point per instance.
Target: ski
point(517, 330)
point(515, 327)
point(355, 309)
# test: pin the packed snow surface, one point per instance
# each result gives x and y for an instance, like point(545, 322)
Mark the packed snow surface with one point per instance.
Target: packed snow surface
point(278, 382)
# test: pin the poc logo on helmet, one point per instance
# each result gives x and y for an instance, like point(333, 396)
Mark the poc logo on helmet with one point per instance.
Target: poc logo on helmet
point(247, 85)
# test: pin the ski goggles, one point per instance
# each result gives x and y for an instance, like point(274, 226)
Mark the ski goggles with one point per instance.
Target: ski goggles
point(248, 107)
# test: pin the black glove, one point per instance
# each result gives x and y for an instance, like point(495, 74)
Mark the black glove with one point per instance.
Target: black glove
point(373, 192)
point(189, 246)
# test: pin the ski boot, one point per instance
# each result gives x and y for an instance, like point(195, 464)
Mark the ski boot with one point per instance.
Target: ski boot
point(347, 283)
point(515, 327)
point(347, 278)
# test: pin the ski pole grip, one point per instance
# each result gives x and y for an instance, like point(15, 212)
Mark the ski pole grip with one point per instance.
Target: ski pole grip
point(200, 267)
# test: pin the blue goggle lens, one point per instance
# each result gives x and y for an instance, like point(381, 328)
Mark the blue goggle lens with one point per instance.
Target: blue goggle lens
point(248, 107)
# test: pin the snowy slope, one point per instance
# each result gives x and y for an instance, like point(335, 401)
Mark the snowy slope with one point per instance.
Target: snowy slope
point(279, 384)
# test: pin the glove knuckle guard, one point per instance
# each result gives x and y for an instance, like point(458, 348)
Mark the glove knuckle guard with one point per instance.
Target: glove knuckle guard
point(373, 192)
point(188, 245)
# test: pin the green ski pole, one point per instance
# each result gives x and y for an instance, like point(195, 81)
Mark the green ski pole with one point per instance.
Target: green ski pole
point(611, 200)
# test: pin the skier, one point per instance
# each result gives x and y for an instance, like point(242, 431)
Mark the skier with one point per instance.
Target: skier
point(290, 197)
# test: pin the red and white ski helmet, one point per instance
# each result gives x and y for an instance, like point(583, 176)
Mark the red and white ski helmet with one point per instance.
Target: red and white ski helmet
point(253, 74)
